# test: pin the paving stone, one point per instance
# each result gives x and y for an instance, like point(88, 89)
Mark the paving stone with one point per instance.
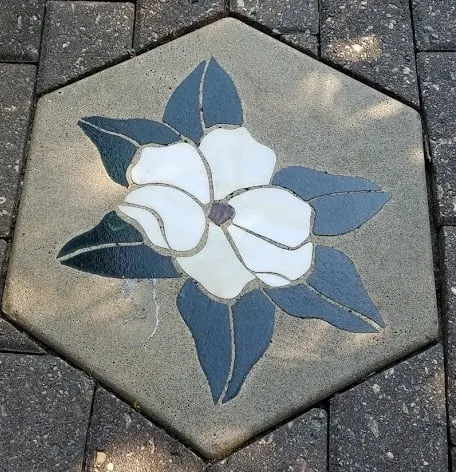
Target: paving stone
point(120, 436)
point(437, 73)
point(16, 92)
point(20, 32)
point(82, 36)
point(45, 407)
point(306, 42)
point(394, 421)
point(372, 39)
point(447, 237)
point(299, 445)
point(157, 20)
point(435, 25)
point(115, 301)
point(295, 16)
point(12, 340)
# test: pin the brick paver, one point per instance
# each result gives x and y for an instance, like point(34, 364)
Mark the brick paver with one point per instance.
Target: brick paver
point(121, 437)
point(298, 445)
point(374, 40)
point(435, 24)
point(393, 422)
point(80, 37)
point(157, 20)
point(16, 91)
point(437, 72)
point(20, 29)
point(44, 413)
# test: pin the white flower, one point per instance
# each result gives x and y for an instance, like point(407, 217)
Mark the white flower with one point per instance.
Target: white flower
point(183, 201)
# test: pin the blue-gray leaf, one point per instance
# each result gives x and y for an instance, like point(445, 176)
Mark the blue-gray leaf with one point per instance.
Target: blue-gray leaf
point(116, 151)
point(335, 277)
point(123, 262)
point(304, 302)
point(340, 213)
point(209, 323)
point(114, 248)
point(310, 183)
point(140, 130)
point(221, 102)
point(182, 111)
point(111, 229)
point(334, 293)
point(253, 325)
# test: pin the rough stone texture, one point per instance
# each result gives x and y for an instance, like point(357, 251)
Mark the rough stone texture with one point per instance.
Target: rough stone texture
point(82, 36)
point(297, 16)
point(373, 39)
point(437, 72)
point(12, 340)
point(20, 29)
point(310, 115)
point(157, 20)
point(16, 92)
point(447, 238)
point(395, 421)
point(435, 24)
point(300, 445)
point(306, 42)
point(120, 436)
point(45, 407)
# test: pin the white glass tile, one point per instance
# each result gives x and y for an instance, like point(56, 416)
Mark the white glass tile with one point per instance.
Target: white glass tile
point(179, 165)
point(183, 219)
point(273, 213)
point(216, 267)
point(236, 160)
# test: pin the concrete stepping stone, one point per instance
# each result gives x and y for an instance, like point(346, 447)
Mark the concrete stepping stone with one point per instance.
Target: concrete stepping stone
point(224, 231)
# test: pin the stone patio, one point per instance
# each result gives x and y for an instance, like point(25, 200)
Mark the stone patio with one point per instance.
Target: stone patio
point(329, 270)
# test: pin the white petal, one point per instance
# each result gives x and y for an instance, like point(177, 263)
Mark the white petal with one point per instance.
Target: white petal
point(273, 280)
point(183, 219)
point(216, 267)
point(261, 256)
point(179, 165)
point(273, 213)
point(148, 222)
point(236, 160)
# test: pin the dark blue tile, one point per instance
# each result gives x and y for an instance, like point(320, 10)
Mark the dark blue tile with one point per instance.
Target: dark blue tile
point(309, 183)
point(209, 324)
point(140, 130)
point(341, 213)
point(335, 276)
point(301, 301)
point(182, 111)
point(221, 102)
point(111, 229)
point(124, 262)
point(116, 152)
point(253, 325)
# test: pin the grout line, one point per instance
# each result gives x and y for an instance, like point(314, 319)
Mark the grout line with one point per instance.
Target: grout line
point(85, 457)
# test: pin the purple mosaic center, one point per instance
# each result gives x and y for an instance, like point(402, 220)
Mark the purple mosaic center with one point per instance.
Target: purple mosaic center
point(221, 212)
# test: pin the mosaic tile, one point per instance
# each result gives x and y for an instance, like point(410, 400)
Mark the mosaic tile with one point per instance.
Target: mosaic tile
point(220, 279)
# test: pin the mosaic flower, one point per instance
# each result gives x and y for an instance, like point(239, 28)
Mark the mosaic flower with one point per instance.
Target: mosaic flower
point(204, 204)
point(201, 200)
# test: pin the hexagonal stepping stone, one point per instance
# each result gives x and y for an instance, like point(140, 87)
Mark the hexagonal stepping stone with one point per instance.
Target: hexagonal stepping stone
point(224, 231)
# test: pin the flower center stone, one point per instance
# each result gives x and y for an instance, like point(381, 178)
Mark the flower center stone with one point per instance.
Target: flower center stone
point(221, 212)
